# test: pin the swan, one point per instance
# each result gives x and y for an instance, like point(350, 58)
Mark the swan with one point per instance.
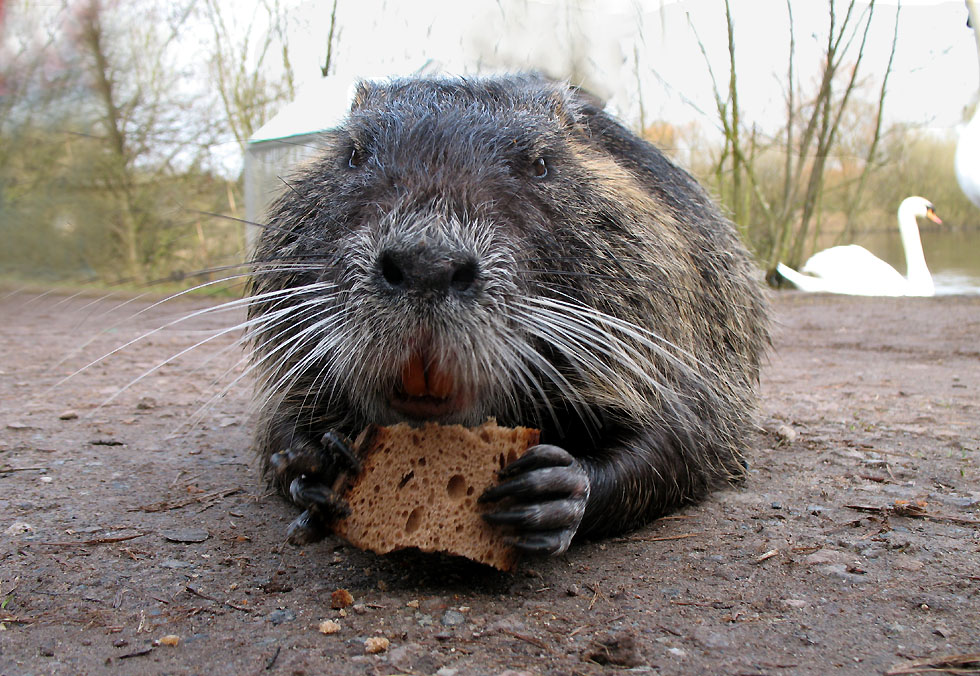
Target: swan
point(854, 270)
point(967, 160)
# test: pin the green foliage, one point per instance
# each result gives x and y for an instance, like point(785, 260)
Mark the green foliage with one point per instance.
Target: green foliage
point(62, 200)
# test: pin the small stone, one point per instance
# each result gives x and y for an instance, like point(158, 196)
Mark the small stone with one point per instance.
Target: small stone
point(714, 640)
point(842, 571)
point(906, 562)
point(18, 528)
point(452, 618)
point(376, 645)
point(68, 415)
point(175, 564)
point(407, 657)
point(277, 617)
point(823, 557)
point(186, 535)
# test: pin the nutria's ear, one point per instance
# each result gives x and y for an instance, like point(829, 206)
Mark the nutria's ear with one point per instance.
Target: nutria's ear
point(583, 97)
point(362, 93)
point(604, 130)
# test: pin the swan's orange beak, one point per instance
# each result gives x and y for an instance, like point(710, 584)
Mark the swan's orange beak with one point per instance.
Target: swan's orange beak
point(931, 215)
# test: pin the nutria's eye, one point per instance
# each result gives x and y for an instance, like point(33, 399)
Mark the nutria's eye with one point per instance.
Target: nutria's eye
point(356, 158)
point(539, 168)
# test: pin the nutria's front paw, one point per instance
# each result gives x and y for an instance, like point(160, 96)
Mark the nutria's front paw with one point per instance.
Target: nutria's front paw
point(307, 472)
point(543, 495)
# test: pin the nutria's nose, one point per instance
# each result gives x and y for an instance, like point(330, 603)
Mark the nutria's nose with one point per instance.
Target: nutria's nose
point(427, 270)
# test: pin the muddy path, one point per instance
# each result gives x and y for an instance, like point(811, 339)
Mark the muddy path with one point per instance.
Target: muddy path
point(130, 525)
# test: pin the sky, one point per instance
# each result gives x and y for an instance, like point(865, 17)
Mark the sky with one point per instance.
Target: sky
point(652, 46)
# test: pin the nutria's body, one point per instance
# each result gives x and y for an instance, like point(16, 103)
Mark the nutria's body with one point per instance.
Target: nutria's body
point(467, 249)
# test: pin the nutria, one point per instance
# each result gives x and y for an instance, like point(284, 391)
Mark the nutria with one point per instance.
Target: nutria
point(502, 247)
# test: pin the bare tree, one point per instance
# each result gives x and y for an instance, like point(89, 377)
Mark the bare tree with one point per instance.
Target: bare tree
point(144, 133)
point(783, 224)
point(332, 37)
point(250, 85)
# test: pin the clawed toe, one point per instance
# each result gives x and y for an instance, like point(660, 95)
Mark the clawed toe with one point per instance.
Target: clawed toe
point(307, 528)
point(542, 497)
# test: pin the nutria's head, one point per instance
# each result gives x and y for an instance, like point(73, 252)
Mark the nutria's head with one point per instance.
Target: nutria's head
point(474, 248)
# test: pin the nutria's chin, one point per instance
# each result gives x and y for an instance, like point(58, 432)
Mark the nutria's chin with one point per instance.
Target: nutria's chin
point(502, 247)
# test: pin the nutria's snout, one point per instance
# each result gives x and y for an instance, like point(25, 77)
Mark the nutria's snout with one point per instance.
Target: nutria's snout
point(428, 271)
point(423, 287)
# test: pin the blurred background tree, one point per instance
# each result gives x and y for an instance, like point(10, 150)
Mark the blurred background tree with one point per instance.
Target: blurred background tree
point(121, 122)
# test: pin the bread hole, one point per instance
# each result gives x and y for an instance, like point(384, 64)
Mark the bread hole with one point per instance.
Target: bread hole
point(414, 520)
point(457, 488)
point(485, 435)
point(416, 439)
point(421, 462)
point(405, 479)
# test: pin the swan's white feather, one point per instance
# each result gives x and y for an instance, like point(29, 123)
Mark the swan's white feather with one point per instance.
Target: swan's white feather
point(968, 159)
point(854, 270)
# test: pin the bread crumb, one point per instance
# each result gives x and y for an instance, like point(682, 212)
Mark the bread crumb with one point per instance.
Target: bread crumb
point(169, 639)
point(328, 627)
point(376, 644)
point(341, 598)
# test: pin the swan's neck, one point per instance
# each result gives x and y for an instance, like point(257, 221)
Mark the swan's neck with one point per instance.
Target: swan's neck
point(920, 280)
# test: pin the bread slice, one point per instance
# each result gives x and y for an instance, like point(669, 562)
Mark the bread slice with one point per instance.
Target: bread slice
point(419, 488)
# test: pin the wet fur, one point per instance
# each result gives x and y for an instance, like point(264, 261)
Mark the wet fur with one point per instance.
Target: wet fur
point(613, 306)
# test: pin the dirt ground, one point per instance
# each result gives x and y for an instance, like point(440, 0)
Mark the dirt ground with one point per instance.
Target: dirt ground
point(853, 548)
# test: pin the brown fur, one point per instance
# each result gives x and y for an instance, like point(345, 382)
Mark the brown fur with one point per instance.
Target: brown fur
point(610, 304)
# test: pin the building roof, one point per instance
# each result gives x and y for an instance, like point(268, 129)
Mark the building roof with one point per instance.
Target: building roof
point(321, 105)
